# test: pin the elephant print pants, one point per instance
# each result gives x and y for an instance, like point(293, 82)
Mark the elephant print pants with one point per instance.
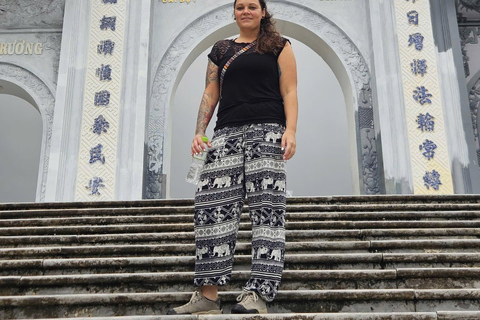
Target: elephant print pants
point(243, 161)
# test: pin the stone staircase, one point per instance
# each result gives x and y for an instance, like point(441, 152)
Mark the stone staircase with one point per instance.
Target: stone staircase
point(367, 257)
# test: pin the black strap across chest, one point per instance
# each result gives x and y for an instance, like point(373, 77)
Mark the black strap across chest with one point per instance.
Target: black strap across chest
point(229, 62)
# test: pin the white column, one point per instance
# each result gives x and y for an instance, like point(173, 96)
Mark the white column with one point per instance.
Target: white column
point(458, 121)
point(68, 105)
point(388, 96)
point(131, 144)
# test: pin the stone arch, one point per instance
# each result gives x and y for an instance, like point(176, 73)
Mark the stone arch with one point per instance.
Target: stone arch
point(474, 102)
point(338, 50)
point(44, 100)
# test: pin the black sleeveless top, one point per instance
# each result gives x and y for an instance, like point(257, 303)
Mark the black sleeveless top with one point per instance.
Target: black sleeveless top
point(251, 88)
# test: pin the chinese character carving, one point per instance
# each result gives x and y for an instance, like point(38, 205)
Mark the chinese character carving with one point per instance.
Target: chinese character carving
point(102, 98)
point(417, 40)
point(428, 147)
point(419, 67)
point(106, 47)
point(96, 154)
point(425, 122)
point(100, 125)
point(432, 179)
point(421, 95)
point(104, 73)
point(108, 23)
point(413, 17)
point(94, 184)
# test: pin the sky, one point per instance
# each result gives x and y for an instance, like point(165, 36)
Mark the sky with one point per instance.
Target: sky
point(321, 165)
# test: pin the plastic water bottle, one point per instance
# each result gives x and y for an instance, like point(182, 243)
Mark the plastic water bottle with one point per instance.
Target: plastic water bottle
point(193, 175)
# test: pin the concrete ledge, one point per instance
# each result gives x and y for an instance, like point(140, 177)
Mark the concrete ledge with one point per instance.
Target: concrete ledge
point(245, 226)
point(294, 295)
point(438, 273)
point(169, 249)
point(458, 315)
point(136, 250)
point(447, 294)
point(165, 277)
point(162, 278)
point(313, 200)
point(440, 315)
point(430, 257)
point(148, 298)
point(189, 236)
point(168, 206)
point(178, 236)
point(185, 214)
point(425, 244)
point(123, 262)
point(288, 316)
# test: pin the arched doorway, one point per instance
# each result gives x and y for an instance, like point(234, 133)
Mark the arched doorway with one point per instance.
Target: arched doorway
point(20, 142)
point(311, 28)
point(322, 163)
point(22, 83)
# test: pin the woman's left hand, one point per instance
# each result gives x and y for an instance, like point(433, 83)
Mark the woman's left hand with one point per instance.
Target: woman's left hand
point(288, 144)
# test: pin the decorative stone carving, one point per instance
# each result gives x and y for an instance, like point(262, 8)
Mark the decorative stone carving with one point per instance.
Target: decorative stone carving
point(216, 19)
point(470, 5)
point(31, 13)
point(52, 42)
point(46, 103)
point(368, 143)
point(474, 101)
point(467, 35)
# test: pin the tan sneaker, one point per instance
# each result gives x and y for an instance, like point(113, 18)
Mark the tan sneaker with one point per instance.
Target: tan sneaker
point(250, 302)
point(198, 304)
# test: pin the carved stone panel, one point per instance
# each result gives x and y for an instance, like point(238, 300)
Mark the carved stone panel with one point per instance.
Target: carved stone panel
point(474, 101)
point(470, 5)
point(31, 14)
point(468, 35)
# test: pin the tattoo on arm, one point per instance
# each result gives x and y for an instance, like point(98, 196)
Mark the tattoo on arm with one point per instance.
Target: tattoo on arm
point(212, 73)
point(207, 107)
point(279, 71)
point(205, 113)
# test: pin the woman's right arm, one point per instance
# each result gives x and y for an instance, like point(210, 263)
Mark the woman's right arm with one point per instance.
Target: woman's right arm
point(207, 107)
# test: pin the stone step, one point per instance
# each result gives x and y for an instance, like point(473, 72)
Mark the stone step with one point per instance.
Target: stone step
point(374, 300)
point(439, 315)
point(400, 278)
point(165, 249)
point(363, 254)
point(291, 235)
point(98, 210)
point(329, 200)
point(188, 249)
point(154, 215)
point(185, 227)
point(242, 262)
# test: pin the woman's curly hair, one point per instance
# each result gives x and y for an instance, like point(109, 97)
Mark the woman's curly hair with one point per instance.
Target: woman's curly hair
point(269, 40)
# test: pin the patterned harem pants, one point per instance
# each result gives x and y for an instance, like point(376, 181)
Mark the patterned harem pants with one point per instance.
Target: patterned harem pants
point(243, 161)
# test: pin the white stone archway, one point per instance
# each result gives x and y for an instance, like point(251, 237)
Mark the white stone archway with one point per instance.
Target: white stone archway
point(44, 101)
point(473, 87)
point(310, 27)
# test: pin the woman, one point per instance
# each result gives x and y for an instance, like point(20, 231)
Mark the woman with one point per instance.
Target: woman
point(254, 78)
